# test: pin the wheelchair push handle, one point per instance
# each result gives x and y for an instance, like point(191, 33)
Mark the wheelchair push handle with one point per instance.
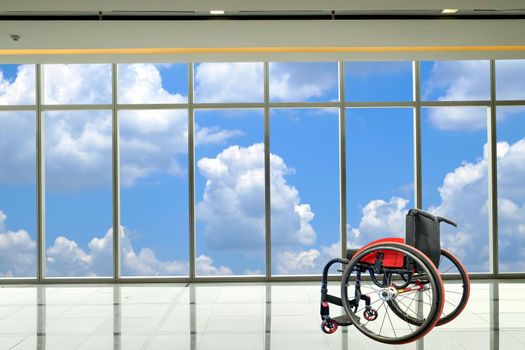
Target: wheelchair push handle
point(448, 221)
point(434, 218)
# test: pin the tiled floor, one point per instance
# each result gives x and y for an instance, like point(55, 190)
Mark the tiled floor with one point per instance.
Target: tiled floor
point(229, 316)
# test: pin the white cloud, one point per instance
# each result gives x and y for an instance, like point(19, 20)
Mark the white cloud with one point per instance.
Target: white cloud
point(301, 81)
point(232, 205)
point(142, 83)
point(464, 199)
point(243, 82)
point(20, 90)
point(458, 118)
point(17, 252)
point(379, 219)
point(459, 80)
point(17, 147)
point(79, 143)
point(65, 258)
point(304, 261)
point(510, 79)
point(467, 81)
point(77, 83)
point(214, 135)
point(78, 150)
point(204, 267)
point(229, 82)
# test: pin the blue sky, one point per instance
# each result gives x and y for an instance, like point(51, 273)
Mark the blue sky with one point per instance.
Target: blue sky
point(229, 164)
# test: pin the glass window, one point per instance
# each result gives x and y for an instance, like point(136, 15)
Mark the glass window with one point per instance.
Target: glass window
point(229, 190)
point(77, 84)
point(304, 177)
point(17, 84)
point(78, 193)
point(154, 192)
point(455, 80)
point(229, 82)
point(153, 83)
point(17, 194)
point(454, 168)
point(510, 79)
point(511, 188)
point(378, 81)
point(304, 82)
point(379, 173)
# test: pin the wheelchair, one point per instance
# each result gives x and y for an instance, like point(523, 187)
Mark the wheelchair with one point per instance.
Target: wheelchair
point(392, 289)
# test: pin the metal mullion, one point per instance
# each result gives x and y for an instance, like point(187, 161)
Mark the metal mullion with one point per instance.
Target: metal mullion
point(418, 173)
point(508, 278)
point(407, 104)
point(418, 199)
point(304, 104)
point(191, 176)
point(152, 106)
point(18, 280)
point(492, 174)
point(115, 177)
point(40, 178)
point(342, 161)
point(510, 103)
point(227, 105)
point(83, 107)
point(267, 173)
point(455, 103)
point(17, 108)
point(77, 280)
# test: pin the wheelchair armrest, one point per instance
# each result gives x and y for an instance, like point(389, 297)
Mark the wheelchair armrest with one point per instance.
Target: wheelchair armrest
point(350, 253)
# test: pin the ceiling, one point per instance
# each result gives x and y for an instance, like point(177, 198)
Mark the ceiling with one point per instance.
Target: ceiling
point(257, 5)
point(376, 26)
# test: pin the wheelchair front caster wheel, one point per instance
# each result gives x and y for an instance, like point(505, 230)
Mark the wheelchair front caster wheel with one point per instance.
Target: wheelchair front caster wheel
point(329, 326)
point(370, 314)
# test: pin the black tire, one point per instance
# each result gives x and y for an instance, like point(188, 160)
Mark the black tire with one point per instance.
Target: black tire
point(405, 332)
point(455, 298)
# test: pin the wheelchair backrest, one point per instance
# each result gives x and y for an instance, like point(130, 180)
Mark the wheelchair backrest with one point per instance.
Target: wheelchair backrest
point(422, 232)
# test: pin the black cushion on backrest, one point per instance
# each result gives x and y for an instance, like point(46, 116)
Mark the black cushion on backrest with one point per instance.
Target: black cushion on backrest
point(423, 233)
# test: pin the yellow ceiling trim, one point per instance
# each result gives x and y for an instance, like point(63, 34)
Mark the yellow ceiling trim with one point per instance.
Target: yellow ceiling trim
point(256, 50)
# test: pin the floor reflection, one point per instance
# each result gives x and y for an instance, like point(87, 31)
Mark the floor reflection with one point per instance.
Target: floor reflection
point(229, 316)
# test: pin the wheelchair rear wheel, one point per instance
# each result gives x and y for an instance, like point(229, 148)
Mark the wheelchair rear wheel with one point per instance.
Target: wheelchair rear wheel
point(456, 292)
point(374, 278)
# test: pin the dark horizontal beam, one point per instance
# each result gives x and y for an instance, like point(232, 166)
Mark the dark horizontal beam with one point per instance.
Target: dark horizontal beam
point(251, 17)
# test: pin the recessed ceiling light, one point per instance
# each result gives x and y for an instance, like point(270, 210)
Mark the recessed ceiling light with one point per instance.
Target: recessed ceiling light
point(216, 12)
point(449, 11)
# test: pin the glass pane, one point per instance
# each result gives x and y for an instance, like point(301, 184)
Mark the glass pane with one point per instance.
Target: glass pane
point(455, 179)
point(153, 83)
point(455, 80)
point(510, 80)
point(77, 83)
point(304, 82)
point(78, 193)
point(229, 82)
point(511, 188)
point(229, 190)
point(17, 194)
point(378, 81)
point(154, 192)
point(17, 84)
point(380, 173)
point(304, 168)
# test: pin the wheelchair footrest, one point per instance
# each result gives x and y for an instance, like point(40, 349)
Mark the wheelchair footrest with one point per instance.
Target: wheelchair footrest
point(343, 320)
